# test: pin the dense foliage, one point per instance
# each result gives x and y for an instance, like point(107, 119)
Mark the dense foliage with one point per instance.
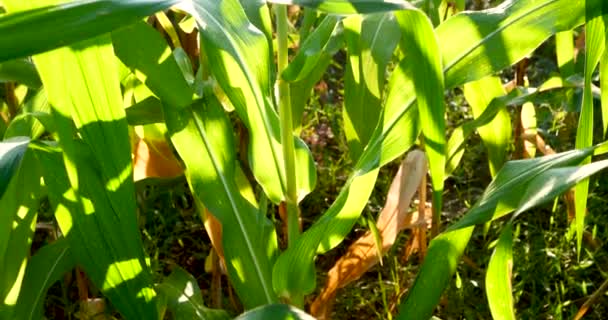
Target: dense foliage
point(104, 98)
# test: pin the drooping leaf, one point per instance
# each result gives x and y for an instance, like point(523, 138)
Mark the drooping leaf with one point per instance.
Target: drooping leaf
point(363, 254)
point(370, 40)
point(248, 240)
point(349, 6)
point(46, 267)
point(184, 298)
point(233, 47)
point(498, 277)
point(501, 197)
point(48, 27)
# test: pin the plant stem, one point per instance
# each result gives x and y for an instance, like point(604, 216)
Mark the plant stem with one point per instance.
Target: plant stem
point(291, 197)
point(289, 154)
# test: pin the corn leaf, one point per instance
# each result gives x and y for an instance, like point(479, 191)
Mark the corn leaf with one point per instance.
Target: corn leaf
point(349, 6)
point(594, 44)
point(185, 299)
point(55, 25)
point(34, 119)
point(47, 266)
point(97, 175)
point(301, 90)
point(498, 277)
point(564, 49)
point(203, 137)
point(501, 197)
point(496, 134)
point(366, 251)
point(371, 41)
point(474, 44)
point(20, 70)
point(20, 186)
point(313, 49)
point(421, 44)
point(105, 255)
point(517, 97)
point(233, 47)
point(542, 189)
point(275, 311)
point(396, 132)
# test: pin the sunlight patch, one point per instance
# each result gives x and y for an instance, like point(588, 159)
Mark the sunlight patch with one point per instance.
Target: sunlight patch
point(121, 271)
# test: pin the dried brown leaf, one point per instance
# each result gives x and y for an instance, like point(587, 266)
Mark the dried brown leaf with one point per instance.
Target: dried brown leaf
point(362, 255)
point(154, 159)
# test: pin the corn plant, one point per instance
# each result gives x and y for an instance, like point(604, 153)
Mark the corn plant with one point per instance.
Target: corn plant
point(94, 69)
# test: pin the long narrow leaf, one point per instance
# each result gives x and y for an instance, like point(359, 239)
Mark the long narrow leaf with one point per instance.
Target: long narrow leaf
point(202, 136)
point(349, 6)
point(370, 40)
point(52, 26)
point(19, 203)
point(501, 197)
point(498, 277)
point(106, 239)
point(594, 44)
point(46, 267)
point(233, 47)
point(422, 46)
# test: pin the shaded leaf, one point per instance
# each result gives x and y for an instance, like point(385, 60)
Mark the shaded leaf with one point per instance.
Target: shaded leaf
point(370, 40)
point(275, 311)
point(184, 297)
point(19, 202)
point(46, 267)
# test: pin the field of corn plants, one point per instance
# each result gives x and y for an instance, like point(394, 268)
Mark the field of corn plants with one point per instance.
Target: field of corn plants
point(302, 159)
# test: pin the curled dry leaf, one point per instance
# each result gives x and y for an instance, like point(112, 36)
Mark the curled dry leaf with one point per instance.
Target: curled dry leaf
point(362, 255)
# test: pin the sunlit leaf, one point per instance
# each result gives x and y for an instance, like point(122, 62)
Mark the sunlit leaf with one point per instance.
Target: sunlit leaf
point(595, 38)
point(498, 277)
point(233, 47)
point(203, 137)
point(496, 134)
point(349, 6)
point(52, 26)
